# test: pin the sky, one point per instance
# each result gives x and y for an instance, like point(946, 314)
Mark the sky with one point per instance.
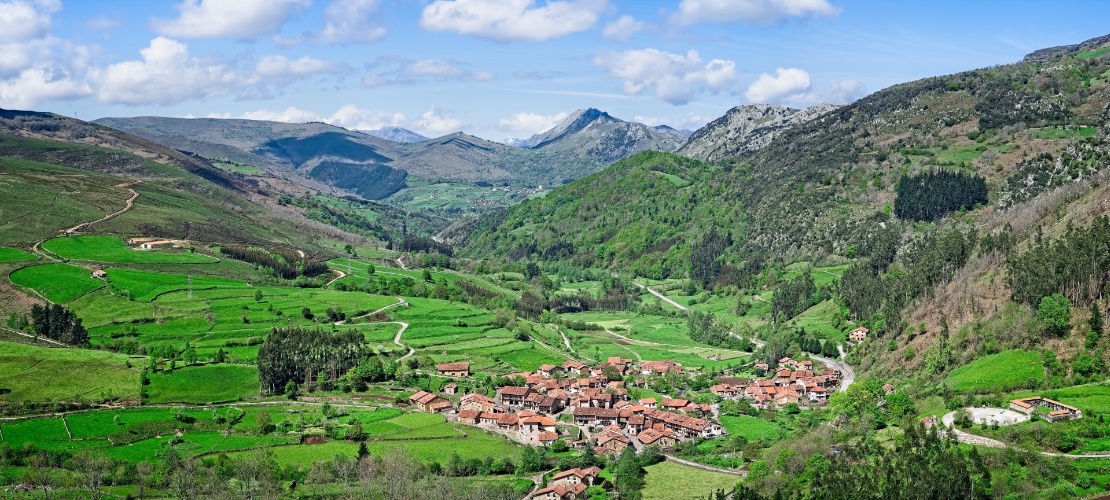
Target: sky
point(499, 68)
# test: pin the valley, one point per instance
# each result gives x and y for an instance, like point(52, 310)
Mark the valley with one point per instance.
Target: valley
point(900, 297)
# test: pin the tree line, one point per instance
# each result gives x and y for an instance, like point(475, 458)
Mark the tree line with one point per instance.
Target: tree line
point(932, 195)
point(1076, 265)
point(285, 263)
point(298, 355)
point(58, 323)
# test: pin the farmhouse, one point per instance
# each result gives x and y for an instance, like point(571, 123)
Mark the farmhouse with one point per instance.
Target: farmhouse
point(576, 476)
point(454, 369)
point(469, 417)
point(612, 441)
point(1054, 411)
point(858, 335)
point(451, 388)
point(99, 273)
point(559, 492)
point(430, 402)
point(548, 371)
point(575, 367)
point(659, 367)
point(661, 437)
point(515, 396)
point(151, 245)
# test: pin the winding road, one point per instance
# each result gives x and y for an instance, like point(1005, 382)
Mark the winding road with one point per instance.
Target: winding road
point(397, 340)
point(967, 438)
point(129, 204)
point(664, 298)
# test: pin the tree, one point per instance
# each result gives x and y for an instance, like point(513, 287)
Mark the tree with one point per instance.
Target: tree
point(1055, 313)
point(356, 432)
point(307, 313)
point(291, 390)
point(628, 475)
point(1095, 321)
point(265, 425)
point(258, 295)
point(899, 405)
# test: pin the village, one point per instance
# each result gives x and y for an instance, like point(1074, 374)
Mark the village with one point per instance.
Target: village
point(556, 398)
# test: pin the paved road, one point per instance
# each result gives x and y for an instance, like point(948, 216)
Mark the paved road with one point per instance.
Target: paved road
point(664, 298)
point(965, 437)
point(397, 340)
point(847, 374)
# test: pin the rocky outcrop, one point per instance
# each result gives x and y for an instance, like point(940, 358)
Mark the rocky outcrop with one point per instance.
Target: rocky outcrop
point(1054, 52)
point(744, 129)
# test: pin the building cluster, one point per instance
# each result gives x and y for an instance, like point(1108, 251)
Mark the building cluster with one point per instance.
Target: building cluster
point(569, 484)
point(528, 411)
point(793, 382)
point(1048, 409)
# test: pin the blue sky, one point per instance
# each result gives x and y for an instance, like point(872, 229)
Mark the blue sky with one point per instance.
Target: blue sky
point(498, 68)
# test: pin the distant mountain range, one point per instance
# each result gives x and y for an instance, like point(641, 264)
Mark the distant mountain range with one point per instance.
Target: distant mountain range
point(395, 134)
point(376, 164)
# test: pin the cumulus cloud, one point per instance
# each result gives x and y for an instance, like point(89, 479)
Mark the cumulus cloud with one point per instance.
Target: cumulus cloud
point(750, 11)
point(436, 122)
point(35, 66)
point(407, 71)
point(512, 20)
point(792, 87)
point(691, 121)
point(279, 68)
point(23, 20)
point(622, 29)
point(349, 116)
point(168, 74)
point(237, 19)
point(39, 84)
point(675, 78)
point(530, 123)
point(352, 21)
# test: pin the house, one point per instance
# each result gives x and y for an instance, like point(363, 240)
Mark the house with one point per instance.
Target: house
point(612, 441)
point(536, 424)
point(684, 427)
point(99, 273)
point(469, 417)
point(649, 403)
point(888, 388)
point(546, 438)
point(549, 371)
point(451, 388)
point(430, 402)
point(454, 369)
point(676, 405)
point(515, 396)
point(858, 335)
point(663, 438)
point(575, 367)
point(151, 245)
point(596, 416)
point(489, 419)
point(139, 241)
point(819, 395)
point(560, 492)
point(508, 421)
point(478, 402)
point(724, 390)
point(576, 476)
point(659, 367)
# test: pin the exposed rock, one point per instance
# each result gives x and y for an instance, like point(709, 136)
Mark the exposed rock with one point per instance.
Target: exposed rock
point(744, 129)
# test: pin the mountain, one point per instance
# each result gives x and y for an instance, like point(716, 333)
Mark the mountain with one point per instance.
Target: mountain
point(395, 134)
point(744, 129)
point(825, 188)
point(332, 159)
point(595, 135)
point(1054, 52)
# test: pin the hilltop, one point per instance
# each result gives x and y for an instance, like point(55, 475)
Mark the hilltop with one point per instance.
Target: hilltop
point(746, 129)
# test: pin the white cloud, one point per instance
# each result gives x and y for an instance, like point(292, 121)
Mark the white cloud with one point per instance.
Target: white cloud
point(775, 89)
point(352, 21)
point(691, 121)
point(622, 29)
point(349, 116)
point(750, 11)
point(512, 20)
point(280, 68)
point(22, 20)
point(436, 122)
point(444, 70)
point(103, 23)
point(530, 123)
point(237, 19)
point(39, 84)
point(676, 78)
point(166, 75)
point(372, 81)
point(792, 87)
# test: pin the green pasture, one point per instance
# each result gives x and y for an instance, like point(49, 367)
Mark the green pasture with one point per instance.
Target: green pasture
point(59, 283)
point(751, 428)
point(113, 249)
point(145, 286)
point(1004, 371)
point(203, 384)
point(15, 255)
point(664, 479)
point(43, 374)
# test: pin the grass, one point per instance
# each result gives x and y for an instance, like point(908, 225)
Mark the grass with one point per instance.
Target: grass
point(59, 283)
point(15, 255)
point(41, 374)
point(1004, 371)
point(665, 479)
point(204, 384)
point(751, 428)
point(144, 286)
point(112, 249)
